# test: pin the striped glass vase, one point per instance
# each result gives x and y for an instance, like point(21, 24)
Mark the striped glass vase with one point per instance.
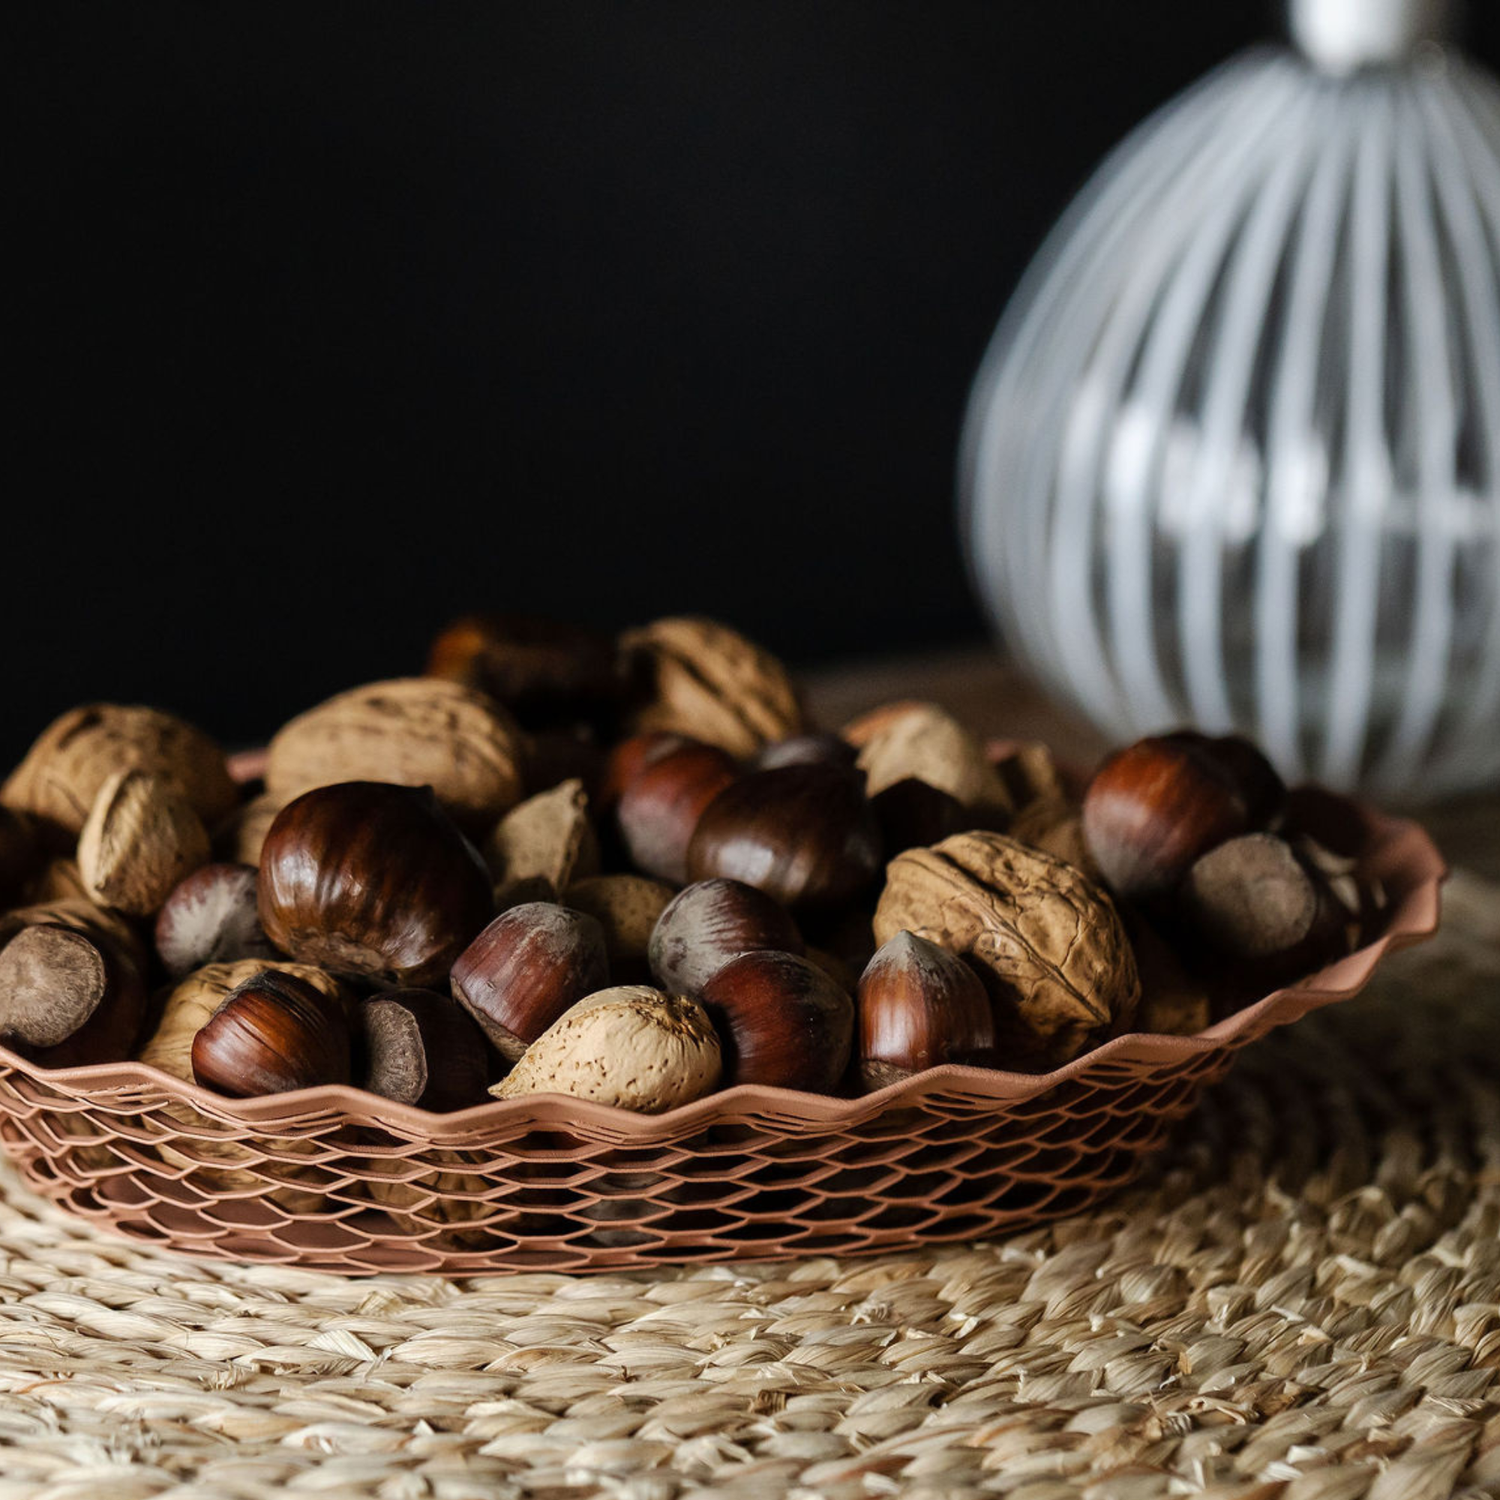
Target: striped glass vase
point(1233, 458)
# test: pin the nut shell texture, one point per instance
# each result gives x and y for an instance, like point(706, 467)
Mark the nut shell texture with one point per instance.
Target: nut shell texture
point(705, 680)
point(372, 881)
point(1047, 942)
point(141, 837)
point(415, 731)
point(60, 777)
point(631, 1046)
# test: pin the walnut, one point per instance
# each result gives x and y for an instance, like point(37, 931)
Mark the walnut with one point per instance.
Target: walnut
point(140, 839)
point(705, 680)
point(548, 838)
point(922, 742)
point(415, 731)
point(1047, 942)
point(74, 756)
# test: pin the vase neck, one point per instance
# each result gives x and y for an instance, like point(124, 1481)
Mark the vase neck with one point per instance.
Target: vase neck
point(1342, 36)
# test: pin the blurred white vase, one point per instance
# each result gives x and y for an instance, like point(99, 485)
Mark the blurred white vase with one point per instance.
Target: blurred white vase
point(1233, 457)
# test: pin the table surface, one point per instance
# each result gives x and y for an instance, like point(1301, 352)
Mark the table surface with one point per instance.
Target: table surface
point(996, 700)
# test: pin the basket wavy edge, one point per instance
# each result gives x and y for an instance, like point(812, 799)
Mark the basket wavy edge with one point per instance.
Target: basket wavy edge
point(1398, 851)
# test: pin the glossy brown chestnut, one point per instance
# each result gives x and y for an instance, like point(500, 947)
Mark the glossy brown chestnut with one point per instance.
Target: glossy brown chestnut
point(372, 881)
point(70, 996)
point(1156, 806)
point(805, 835)
point(806, 750)
point(526, 968)
point(425, 1049)
point(542, 670)
point(782, 1022)
point(919, 1006)
point(627, 759)
point(211, 917)
point(273, 1033)
point(711, 922)
point(660, 807)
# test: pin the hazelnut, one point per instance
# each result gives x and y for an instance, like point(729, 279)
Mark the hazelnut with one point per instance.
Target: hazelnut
point(69, 996)
point(660, 807)
point(548, 837)
point(140, 838)
point(711, 922)
point(627, 908)
point(631, 1047)
point(211, 917)
point(1046, 942)
point(923, 741)
point(919, 1006)
point(1157, 805)
point(60, 777)
point(542, 670)
point(803, 834)
point(783, 1022)
point(372, 881)
point(525, 969)
point(702, 679)
point(273, 1032)
point(416, 731)
point(423, 1048)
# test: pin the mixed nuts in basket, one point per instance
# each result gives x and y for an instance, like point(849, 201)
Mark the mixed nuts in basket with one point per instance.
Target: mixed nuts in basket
point(629, 871)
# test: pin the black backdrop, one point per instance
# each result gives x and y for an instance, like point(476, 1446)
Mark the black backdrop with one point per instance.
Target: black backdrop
point(335, 319)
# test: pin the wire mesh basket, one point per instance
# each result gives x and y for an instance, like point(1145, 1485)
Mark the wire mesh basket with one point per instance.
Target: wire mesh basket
point(339, 1179)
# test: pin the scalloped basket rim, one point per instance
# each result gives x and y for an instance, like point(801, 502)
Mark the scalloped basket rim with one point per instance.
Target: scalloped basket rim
point(1397, 847)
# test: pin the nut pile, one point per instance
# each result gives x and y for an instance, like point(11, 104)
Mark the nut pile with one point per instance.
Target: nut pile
point(628, 870)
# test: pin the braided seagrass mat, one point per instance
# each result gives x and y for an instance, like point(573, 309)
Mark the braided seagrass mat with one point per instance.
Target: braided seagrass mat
point(1302, 1301)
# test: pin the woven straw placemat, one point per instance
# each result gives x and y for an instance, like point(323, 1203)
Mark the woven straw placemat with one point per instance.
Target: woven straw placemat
point(1302, 1301)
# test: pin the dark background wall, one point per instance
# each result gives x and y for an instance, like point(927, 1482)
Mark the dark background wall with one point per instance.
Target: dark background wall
point(335, 319)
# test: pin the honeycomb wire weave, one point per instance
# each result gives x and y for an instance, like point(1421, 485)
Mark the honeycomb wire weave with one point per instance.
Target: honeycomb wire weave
point(338, 1180)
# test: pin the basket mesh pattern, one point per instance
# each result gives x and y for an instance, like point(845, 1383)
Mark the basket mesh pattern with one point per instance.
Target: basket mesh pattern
point(337, 1179)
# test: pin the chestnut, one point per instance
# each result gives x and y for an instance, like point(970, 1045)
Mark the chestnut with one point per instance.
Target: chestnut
point(70, 995)
point(660, 807)
point(627, 759)
point(707, 924)
point(274, 1032)
point(542, 670)
point(782, 1021)
point(804, 834)
point(806, 750)
point(526, 968)
point(913, 814)
point(918, 1006)
point(1156, 806)
point(423, 1048)
point(372, 881)
point(211, 917)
